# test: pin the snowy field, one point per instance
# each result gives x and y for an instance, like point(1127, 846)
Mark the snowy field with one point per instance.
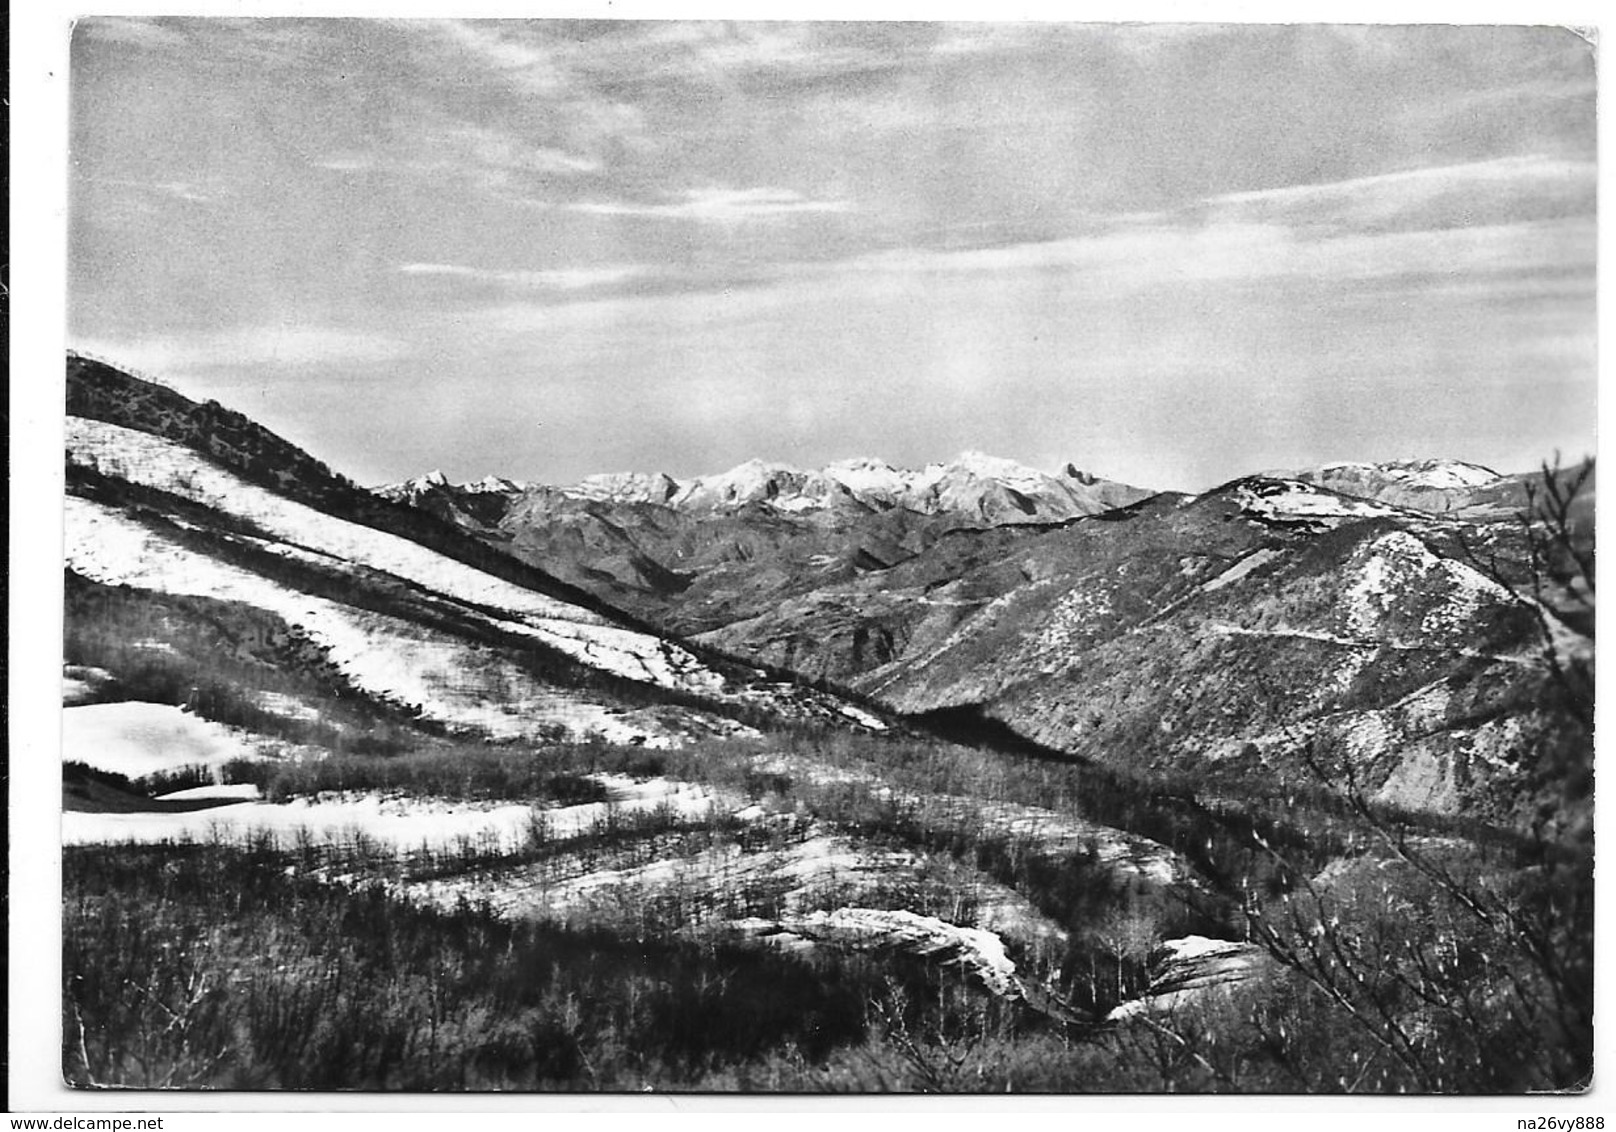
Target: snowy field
point(390, 822)
point(137, 739)
point(154, 462)
point(451, 680)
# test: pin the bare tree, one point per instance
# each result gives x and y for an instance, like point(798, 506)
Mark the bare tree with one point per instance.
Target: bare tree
point(1469, 967)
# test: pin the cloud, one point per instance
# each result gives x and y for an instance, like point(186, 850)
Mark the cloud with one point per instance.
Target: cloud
point(574, 279)
point(529, 59)
point(271, 346)
point(1515, 187)
point(525, 61)
point(505, 151)
point(187, 191)
point(354, 163)
point(1477, 222)
point(132, 30)
point(1150, 255)
point(182, 190)
point(1468, 105)
point(720, 206)
point(493, 162)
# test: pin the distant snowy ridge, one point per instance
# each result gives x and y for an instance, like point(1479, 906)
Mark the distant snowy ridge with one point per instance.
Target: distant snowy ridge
point(1433, 474)
point(412, 489)
point(1436, 486)
point(973, 483)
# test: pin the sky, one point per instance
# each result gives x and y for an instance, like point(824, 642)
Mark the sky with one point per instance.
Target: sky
point(1169, 254)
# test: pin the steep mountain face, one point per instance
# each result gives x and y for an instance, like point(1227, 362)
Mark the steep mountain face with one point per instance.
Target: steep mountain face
point(695, 556)
point(367, 599)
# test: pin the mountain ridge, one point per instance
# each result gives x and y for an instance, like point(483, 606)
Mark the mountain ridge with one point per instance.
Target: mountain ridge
point(972, 483)
point(158, 504)
point(1219, 629)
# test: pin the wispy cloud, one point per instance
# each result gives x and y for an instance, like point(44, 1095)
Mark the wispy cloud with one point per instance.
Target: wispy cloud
point(1470, 193)
point(1474, 221)
point(526, 57)
point(183, 190)
point(1473, 104)
point(523, 60)
point(496, 163)
point(137, 31)
point(348, 163)
point(273, 346)
point(573, 279)
point(188, 191)
point(503, 150)
point(1165, 254)
point(721, 206)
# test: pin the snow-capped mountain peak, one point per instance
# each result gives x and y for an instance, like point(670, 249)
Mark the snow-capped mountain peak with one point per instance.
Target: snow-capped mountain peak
point(625, 487)
point(493, 483)
point(780, 485)
point(871, 480)
point(975, 485)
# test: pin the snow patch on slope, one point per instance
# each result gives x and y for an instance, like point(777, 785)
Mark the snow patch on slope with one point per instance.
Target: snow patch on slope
point(1253, 561)
point(394, 823)
point(387, 657)
point(136, 739)
point(154, 462)
point(1432, 475)
point(1190, 970)
point(1396, 567)
point(979, 952)
point(1286, 499)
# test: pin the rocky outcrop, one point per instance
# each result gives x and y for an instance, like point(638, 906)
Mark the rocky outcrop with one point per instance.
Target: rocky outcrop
point(1192, 972)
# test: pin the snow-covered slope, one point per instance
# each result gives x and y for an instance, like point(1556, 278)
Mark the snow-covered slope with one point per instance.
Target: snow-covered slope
point(1433, 474)
point(138, 739)
point(144, 459)
point(1435, 486)
point(1193, 971)
point(1292, 500)
point(397, 824)
point(449, 678)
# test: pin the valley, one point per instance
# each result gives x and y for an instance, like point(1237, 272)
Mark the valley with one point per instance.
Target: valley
point(969, 777)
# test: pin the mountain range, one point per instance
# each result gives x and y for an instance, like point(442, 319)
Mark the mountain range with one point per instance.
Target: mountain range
point(1369, 609)
point(964, 739)
point(190, 501)
point(1375, 611)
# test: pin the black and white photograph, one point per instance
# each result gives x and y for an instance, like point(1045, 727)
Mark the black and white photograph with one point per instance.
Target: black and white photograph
point(790, 557)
